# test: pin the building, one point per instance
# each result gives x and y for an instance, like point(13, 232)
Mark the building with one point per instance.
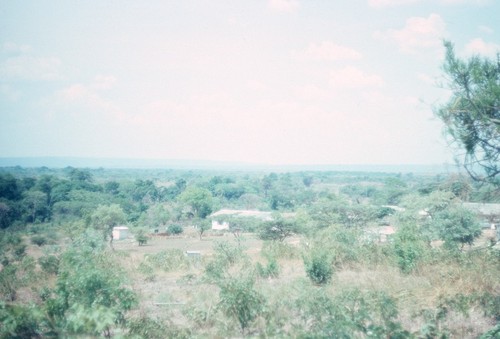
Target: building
point(120, 232)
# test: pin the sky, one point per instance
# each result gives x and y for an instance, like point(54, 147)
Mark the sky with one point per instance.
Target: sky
point(256, 81)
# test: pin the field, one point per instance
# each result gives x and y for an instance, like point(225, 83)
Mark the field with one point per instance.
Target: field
point(182, 297)
point(310, 261)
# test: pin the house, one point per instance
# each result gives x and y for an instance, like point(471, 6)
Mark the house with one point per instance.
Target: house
point(489, 213)
point(220, 225)
point(385, 232)
point(120, 232)
point(219, 218)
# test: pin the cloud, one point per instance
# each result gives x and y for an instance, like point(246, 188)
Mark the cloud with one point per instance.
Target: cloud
point(327, 50)
point(352, 77)
point(479, 46)
point(88, 96)
point(9, 93)
point(27, 67)
point(486, 29)
point(426, 78)
point(392, 3)
point(311, 92)
point(103, 82)
point(418, 34)
point(11, 47)
point(473, 2)
point(283, 5)
point(388, 3)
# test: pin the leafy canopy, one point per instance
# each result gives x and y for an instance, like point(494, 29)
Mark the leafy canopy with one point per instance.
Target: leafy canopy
point(472, 114)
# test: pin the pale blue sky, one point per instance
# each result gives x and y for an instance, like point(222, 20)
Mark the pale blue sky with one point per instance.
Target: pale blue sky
point(264, 81)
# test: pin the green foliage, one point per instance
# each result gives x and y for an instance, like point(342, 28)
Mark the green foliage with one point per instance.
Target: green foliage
point(38, 240)
point(270, 270)
point(22, 322)
point(49, 264)
point(226, 255)
point(278, 229)
point(471, 115)
point(319, 266)
point(168, 260)
point(94, 320)
point(175, 229)
point(349, 314)
point(239, 300)
point(457, 227)
point(90, 295)
point(144, 327)
point(279, 250)
point(147, 270)
point(199, 199)
point(409, 247)
point(105, 217)
point(141, 237)
point(202, 225)
point(155, 216)
point(9, 283)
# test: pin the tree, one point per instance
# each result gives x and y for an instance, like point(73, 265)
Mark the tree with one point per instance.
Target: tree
point(472, 114)
point(457, 226)
point(278, 229)
point(199, 199)
point(202, 225)
point(36, 203)
point(105, 217)
point(240, 300)
point(90, 296)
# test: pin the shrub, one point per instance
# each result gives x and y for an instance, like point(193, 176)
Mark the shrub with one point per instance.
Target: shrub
point(319, 268)
point(168, 260)
point(226, 255)
point(175, 229)
point(141, 237)
point(276, 249)
point(38, 240)
point(21, 322)
point(145, 327)
point(409, 247)
point(271, 270)
point(147, 270)
point(349, 314)
point(239, 300)
point(49, 264)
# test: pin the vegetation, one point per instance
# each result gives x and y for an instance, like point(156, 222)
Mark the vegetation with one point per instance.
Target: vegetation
point(316, 264)
point(472, 114)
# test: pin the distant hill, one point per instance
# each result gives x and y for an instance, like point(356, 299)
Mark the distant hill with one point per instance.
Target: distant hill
point(61, 162)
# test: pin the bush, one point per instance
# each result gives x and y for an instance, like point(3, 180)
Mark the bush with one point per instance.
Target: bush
point(49, 264)
point(168, 260)
point(239, 300)
point(319, 268)
point(141, 237)
point(38, 240)
point(276, 249)
point(174, 229)
point(409, 247)
point(226, 255)
point(271, 270)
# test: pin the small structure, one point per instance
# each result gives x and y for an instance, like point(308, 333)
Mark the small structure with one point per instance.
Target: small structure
point(218, 222)
point(220, 226)
point(385, 232)
point(193, 254)
point(120, 232)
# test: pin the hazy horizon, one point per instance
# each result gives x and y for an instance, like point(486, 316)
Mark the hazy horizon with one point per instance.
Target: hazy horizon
point(277, 82)
point(193, 164)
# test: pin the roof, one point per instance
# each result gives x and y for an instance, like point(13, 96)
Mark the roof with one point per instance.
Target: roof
point(248, 213)
point(483, 208)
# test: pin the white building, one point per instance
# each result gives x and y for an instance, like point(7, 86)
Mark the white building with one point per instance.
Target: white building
point(120, 232)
